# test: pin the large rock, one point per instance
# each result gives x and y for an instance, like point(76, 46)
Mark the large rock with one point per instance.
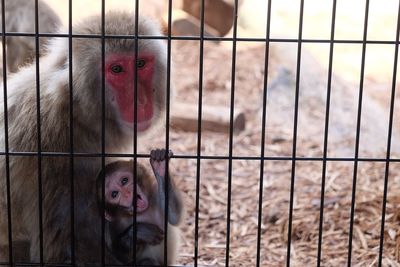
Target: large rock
point(312, 106)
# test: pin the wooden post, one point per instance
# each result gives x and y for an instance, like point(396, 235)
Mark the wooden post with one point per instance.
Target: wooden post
point(214, 118)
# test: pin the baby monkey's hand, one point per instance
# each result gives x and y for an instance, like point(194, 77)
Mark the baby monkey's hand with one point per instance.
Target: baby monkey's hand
point(158, 159)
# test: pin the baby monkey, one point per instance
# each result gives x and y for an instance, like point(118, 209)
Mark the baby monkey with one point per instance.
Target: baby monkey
point(150, 206)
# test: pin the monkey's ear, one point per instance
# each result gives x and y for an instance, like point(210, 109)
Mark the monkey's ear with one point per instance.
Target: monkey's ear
point(108, 216)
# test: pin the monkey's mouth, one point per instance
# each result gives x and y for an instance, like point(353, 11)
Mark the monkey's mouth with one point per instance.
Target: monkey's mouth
point(141, 126)
point(144, 125)
point(141, 203)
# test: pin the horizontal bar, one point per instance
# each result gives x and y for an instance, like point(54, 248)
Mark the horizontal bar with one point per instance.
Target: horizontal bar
point(35, 264)
point(218, 157)
point(88, 265)
point(205, 38)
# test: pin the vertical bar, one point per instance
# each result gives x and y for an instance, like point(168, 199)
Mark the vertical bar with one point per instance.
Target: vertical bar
point(232, 110)
point(167, 109)
point(389, 142)
point(296, 111)
point(357, 145)
point(71, 132)
point(263, 123)
point(103, 126)
point(135, 130)
point(199, 125)
point(8, 183)
point(326, 134)
point(39, 138)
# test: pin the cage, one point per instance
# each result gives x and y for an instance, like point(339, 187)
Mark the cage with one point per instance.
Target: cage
point(283, 118)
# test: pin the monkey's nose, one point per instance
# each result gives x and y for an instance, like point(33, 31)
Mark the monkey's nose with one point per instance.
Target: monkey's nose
point(127, 193)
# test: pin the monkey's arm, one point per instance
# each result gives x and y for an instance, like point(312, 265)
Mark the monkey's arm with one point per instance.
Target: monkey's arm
point(146, 234)
point(158, 161)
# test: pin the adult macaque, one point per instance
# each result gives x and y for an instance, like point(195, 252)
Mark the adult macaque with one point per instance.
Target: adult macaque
point(150, 204)
point(20, 18)
point(87, 100)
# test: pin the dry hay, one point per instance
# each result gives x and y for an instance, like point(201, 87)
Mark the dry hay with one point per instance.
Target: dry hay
point(277, 180)
point(275, 205)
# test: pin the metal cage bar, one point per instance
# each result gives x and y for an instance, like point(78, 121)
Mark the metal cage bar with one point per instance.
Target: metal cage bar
point(39, 137)
point(135, 100)
point(199, 156)
point(71, 132)
point(294, 149)
point(230, 152)
point(167, 119)
point(263, 132)
point(273, 158)
point(357, 143)
point(205, 38)
point(6, 145)
point(326, 131)
point(199, 125)
point(103, 126)
point(389, 141)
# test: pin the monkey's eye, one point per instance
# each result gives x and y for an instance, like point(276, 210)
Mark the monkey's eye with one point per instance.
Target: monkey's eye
point(114, 194)
point(140, 63)
point(116, 68)
point(124, 180)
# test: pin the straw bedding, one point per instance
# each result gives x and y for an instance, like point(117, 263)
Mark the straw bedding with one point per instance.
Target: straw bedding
point(245, 177)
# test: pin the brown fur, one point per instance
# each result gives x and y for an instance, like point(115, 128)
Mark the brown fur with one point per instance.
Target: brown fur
point(149, 186)
point(142, 179)
point(87, 106)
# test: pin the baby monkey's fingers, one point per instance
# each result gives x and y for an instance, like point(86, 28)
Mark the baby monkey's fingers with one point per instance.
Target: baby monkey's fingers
point(157, 154)
point(160, 154)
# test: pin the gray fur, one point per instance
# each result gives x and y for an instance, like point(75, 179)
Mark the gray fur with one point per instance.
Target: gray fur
point(87, 126)
point(20, 18)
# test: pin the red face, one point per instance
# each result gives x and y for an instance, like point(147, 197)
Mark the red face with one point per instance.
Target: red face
point(120, 77)
point(119, 191)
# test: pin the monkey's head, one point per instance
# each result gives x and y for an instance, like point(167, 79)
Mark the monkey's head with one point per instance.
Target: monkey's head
point(118, 195)
point(125, 72)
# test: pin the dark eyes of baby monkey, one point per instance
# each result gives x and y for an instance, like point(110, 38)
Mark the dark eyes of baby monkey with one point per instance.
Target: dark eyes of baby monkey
point(150, 204)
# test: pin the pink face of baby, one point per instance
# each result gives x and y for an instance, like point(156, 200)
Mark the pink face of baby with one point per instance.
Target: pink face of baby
point(119, 191)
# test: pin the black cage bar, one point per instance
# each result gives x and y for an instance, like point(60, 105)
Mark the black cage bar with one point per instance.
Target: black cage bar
point(200, 156)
